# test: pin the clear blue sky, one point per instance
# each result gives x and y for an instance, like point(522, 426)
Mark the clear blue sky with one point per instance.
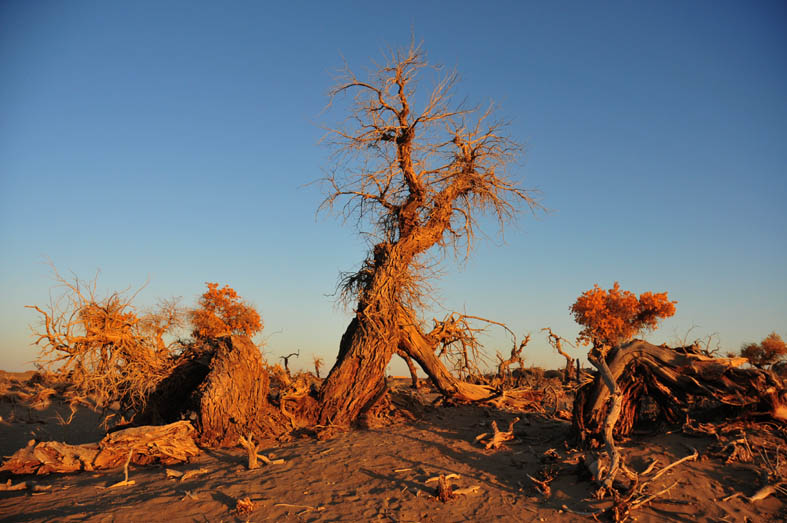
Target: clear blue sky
point(172, 141)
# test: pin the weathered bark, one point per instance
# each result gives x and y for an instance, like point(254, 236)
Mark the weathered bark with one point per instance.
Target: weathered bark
point(167, 444)
point(223, 385)
point(233, 399)
point(674, 378)
point(357, 380)
point(613, 413)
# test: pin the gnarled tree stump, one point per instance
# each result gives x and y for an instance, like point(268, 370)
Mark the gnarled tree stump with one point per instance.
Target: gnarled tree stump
point(223, 385)
point(674, 378)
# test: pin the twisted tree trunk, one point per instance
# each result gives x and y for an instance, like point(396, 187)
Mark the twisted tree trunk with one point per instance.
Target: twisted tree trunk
point(421, 348)
point(357, 380)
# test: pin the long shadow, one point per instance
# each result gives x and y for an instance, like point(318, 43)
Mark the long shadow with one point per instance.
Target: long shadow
point(460, 423)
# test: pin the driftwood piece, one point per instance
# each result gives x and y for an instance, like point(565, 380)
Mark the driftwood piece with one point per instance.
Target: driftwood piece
point(498, 436)
point(167, 444)
point(673, 377)
point(8, 486)
point(51, 456)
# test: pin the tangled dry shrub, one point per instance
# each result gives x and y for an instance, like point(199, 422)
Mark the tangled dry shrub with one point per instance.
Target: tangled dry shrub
point(103, 347)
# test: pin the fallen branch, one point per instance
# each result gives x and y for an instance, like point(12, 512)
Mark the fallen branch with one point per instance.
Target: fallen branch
point(7, 486)
point(542, 486)
point(498, 437)
point(475, 489)
point(306, 507)
point(167, 444)
point(691, 457)
point(125, 481)
point(269, 461)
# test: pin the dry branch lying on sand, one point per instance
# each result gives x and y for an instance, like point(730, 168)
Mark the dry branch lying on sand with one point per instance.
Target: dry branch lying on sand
point(167, 444)
point(637, 495)
point(498, 436)
point(183, 476)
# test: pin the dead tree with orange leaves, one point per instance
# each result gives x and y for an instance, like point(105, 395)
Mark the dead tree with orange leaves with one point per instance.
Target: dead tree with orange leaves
point(416, 173)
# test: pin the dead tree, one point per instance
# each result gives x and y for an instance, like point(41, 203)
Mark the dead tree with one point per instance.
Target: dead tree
point(287, 360)
point(515, 357)
point(222, 384)
point(102, 345)
point(557, 342)
point(416, 174)
point(318, 361)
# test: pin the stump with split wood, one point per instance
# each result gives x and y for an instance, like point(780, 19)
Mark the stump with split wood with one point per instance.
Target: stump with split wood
point(675, 379)
point(223, 384)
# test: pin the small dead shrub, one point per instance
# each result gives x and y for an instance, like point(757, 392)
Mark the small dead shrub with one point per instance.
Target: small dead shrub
point(101, 345)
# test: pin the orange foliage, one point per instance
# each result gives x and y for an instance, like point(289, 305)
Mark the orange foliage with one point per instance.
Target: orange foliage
point(613, 317)
point(221, 312)
point(769, 351)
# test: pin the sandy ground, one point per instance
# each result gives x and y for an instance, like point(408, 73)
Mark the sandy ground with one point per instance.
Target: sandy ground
point(375, 475)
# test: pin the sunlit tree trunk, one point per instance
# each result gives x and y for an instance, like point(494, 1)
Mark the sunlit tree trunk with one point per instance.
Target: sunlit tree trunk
point(423, 176)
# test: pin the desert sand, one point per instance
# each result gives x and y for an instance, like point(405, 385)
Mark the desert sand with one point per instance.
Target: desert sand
point(383, 473)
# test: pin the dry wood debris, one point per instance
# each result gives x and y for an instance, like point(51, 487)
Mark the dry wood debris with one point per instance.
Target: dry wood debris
point(167, 444)
point(244, 507)
point(498, 437)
